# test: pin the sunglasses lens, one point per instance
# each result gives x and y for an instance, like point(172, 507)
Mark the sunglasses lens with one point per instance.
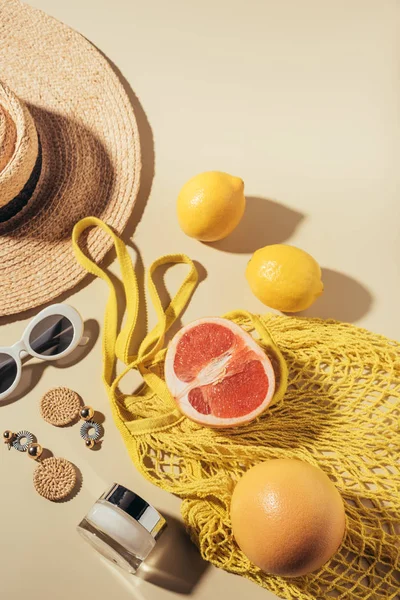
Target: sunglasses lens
point(8, 372)
point(52, 336)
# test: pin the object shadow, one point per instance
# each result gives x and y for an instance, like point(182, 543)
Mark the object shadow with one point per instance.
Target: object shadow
point(142, 325)
point(343, 299)
point(175, 563)
point(146, 180)
point(146, 148)
point(165, 297)
point(366, 560)
point(264, 222)
point(99, 417)
point(51, 182)
point(90, 197)
point(32, 372)
point(46, 452)
point(303, 418)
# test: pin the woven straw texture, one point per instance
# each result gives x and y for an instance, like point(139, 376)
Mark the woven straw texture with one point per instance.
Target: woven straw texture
point(90, 154)
point(19, 145)
point(54, 478)
point(60, 406)
point(341, 412)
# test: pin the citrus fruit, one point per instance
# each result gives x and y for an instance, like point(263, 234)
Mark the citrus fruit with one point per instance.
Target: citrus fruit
point(218, 374)
point(284, 277)
point(210, 205)
point(287, 517)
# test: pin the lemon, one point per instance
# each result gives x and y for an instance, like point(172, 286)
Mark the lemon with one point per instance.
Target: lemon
point(210, 205)
point(284, 277)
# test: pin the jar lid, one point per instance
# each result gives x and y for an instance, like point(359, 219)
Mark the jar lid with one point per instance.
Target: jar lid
point(137, 508)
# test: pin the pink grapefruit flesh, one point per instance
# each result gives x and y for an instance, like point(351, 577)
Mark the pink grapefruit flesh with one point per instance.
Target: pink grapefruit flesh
point(218, 374)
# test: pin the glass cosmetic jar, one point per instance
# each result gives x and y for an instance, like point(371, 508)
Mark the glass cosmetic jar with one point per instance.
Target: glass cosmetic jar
point(122, 527)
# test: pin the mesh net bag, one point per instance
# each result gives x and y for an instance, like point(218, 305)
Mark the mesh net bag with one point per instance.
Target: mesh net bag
point(340, 412)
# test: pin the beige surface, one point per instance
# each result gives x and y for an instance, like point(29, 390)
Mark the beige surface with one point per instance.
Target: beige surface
point(301, 99)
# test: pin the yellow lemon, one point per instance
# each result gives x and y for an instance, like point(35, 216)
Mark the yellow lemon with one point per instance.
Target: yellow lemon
point(210, 205)
point(284, 277)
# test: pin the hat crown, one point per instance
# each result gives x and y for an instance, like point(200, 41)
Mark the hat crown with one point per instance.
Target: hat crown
point(8, 137)
point(19, 145)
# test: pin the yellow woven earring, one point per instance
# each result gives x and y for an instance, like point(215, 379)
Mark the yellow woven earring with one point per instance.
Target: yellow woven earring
point(54, 478)
point(62, 406)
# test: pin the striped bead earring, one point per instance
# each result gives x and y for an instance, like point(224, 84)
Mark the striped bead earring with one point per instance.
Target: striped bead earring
point(91, 431)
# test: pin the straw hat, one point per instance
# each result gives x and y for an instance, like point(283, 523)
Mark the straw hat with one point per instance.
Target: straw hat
point(69, 148)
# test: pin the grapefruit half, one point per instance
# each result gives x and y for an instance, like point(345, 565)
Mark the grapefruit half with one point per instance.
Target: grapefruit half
point(218, 374)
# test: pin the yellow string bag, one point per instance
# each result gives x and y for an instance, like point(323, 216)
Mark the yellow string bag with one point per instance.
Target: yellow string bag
point(340, 412)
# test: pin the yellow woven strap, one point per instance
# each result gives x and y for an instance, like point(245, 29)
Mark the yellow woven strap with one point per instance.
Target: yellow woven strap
point(118, 346)
point(114, 345)
point(154, 341)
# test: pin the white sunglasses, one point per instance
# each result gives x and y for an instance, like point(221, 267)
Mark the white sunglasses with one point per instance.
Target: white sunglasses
point(52, 334)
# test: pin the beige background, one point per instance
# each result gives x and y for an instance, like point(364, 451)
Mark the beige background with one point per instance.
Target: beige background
point(300, 99)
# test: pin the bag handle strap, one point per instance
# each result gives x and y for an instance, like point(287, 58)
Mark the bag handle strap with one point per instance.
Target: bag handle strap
point(113, 344)
point(118, 345)
point(154, 340)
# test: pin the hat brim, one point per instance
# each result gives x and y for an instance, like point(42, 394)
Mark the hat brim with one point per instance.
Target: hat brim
point(90, 154)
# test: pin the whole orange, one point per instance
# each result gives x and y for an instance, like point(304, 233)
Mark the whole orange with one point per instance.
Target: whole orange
point(287, 517)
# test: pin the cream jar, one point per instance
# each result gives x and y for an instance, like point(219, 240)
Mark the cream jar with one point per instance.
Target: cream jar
point(123, 527)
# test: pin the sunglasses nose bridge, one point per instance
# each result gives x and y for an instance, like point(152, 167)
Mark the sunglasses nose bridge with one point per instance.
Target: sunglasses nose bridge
point(20, 348)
